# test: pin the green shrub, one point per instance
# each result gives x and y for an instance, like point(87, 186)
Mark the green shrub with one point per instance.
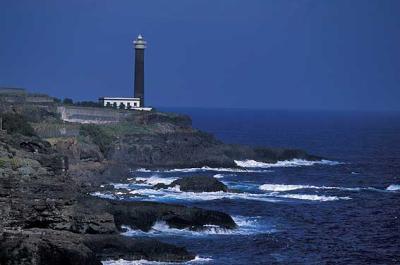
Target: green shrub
point(68, 101)
point(15, 163)
point(99, 136)
point(3, 162)
point(16, 123)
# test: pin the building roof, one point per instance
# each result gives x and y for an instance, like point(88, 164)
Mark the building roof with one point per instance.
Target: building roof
point(112, 98)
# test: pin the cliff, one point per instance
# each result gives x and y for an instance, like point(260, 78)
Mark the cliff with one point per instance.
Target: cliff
point(52, 156)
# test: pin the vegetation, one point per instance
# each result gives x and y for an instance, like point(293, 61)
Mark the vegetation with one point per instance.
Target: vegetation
point(88, 104)
point(3, 162)
point(16, 123)
point(101, 137)
point(68, 101)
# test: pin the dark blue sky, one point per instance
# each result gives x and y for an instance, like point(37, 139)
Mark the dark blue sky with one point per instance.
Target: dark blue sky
point(342, 54)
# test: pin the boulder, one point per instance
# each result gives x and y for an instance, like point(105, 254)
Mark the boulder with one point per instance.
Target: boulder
point(143, 215)
point(49, 247)
point(199, 184)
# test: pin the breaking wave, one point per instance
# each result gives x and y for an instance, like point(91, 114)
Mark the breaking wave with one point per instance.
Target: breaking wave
point(246, 226)
point(104, 195)
point(283, 187)
point(393, 187)
point(176, 194)
point(204, 169)
point(197, 259)
point(311, 197)
point(153, 180)
point(285, 163)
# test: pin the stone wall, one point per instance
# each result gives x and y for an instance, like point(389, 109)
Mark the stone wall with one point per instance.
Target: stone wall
point(90, 115)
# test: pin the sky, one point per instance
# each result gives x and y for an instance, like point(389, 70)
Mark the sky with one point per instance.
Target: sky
point(270, 54)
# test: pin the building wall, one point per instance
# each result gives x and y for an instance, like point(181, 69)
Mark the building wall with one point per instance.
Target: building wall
point(91, 115)
point(133, 103)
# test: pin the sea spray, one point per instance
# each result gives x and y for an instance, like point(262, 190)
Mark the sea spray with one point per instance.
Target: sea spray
point(196, 260)
point(285, 163)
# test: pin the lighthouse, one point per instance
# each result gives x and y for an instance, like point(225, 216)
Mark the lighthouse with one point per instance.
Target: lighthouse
point(140, 45)
point(137, 102)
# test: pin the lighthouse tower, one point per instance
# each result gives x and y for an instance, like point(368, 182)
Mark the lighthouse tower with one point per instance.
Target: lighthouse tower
point(140, 45)
point(137, 102)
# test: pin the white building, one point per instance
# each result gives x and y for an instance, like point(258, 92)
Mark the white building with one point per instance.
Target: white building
point(120, 103)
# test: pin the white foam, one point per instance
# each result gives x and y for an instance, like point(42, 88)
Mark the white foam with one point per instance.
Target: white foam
point(246, 226)
point(153, 180)
point(175, 194)
point(218, 176)
point(197, 259)
point(393, 187)
point(281, 187)
point(162, 229)
point(311, 197)
point(104, 195)
point(203, 169)
point(286, 163)
point(120, 185)
point(284, 187)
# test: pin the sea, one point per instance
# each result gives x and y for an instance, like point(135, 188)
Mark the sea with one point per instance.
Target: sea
point(344, 209)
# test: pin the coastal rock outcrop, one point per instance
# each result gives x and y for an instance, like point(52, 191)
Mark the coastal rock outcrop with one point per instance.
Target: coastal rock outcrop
point(143, 215)
point(196, 184)
point(48, 247)
point(46, 217)
point(46, 213)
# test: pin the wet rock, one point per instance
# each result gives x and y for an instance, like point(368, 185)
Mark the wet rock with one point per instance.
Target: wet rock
point(44, 247)
point(199, 184)
point(161, 186)
point(143, 215)
point(114, 247)
point(49, 247)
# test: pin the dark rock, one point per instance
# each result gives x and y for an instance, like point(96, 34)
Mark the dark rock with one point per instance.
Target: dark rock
point(199, 184)
point(45, 247)
point(191, 149)
point(47, 216)
point(56, 162)
point(49, 247)
point(143, 215)
point(114, 247)
point(161, 186)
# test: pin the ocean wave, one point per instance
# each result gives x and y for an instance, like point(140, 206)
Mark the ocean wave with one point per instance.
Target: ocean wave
point(174, 193)
point(246, 226)
point(104, 195)
point(153, 180)
point(312, 197)
point(218, 176)
point(203, 169)
point(120, 185)
point(197, 259)
point(284, 187)
point(286, 163)
point(393, 187)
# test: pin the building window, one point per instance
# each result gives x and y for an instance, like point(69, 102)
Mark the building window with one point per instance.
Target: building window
point(108, 104)
point(128, 106)
point(135, 104)
point(115, 105)
point(122, 105)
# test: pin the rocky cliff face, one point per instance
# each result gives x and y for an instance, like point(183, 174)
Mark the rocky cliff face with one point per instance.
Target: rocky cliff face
point(48, 218)
point(46, 214)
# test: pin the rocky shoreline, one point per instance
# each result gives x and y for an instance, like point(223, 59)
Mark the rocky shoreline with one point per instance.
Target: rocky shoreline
point(47, 215)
